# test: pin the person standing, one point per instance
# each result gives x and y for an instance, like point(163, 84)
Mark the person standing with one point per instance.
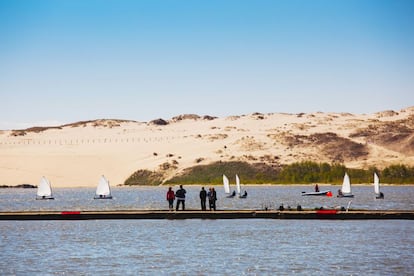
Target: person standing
point(180, 195)
point(212, 199)
point(209, 196)
point(203, 197)
point(170, 198)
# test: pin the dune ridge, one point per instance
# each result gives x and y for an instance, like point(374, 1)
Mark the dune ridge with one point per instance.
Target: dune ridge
point(76, 154)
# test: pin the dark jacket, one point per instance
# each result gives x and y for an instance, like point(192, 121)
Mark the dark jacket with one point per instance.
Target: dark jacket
point(180, 194)
point(212, 196)
point(203, 194)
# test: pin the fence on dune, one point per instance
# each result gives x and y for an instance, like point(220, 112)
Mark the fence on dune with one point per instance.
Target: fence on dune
point(85, 141)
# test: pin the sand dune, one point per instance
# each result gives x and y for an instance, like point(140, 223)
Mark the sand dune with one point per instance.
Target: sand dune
point(77, 154)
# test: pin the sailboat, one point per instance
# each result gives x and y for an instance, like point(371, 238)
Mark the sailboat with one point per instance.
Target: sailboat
point(238, 188)
point(378, 194)
point(346, 187)
point(226, 185)
point(44, 190)
point(103, 191)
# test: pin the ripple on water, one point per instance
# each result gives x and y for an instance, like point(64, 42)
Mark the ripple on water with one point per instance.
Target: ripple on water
point(204, 247)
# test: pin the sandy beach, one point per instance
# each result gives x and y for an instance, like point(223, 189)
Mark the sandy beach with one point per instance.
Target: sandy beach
point(76, 155)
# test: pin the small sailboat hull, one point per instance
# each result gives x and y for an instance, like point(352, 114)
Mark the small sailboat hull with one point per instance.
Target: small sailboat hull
point(320, 193)
point(44, 197)
point(243, 196)
point(346, 195)
point(102, 197)
point(379, 196)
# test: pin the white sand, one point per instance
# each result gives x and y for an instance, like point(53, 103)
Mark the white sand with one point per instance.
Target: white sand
point(77, 156)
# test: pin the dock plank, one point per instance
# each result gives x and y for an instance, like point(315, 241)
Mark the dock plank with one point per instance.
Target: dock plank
point(193, 214)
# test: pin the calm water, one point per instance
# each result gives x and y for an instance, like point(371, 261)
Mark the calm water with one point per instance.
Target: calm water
point(126, 198)
point(205, 247)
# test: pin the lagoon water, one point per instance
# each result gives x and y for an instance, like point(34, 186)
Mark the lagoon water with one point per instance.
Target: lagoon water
point(153, 198)
point(206, 247)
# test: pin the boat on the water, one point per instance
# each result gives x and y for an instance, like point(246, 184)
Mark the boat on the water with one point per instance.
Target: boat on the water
point(238, 188)
point(378, 193)
point(317, 192)
point(103, 191)
point(345, 191)
point(320, 193)
point(44, 190)
point(226, 185)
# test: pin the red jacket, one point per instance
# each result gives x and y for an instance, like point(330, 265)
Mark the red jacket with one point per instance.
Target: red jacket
point(170, 195)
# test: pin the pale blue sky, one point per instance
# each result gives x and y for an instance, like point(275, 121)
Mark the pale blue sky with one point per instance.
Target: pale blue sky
point(65, 61)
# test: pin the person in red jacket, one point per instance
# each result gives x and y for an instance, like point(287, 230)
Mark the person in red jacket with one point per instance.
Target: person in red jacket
point(170, 198)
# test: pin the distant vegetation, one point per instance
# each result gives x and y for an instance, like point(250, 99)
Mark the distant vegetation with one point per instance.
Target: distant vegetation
point(297, 173)
point(144, 177)
point(213, 173)
point(24, 186)
point(398, 174)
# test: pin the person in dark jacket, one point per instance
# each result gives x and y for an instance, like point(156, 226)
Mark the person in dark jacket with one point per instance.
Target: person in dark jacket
point(209, 198)
point(212, 199)
point(170, 198)
point(203, 196)
point(180, 196)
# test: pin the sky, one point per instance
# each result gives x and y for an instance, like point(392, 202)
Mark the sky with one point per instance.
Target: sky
point(66, 61)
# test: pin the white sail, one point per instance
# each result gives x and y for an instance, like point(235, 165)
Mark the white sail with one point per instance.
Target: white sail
point(238, 188)
point(103, 187)
point(346, 185)
point(44, 189)
point(376, 184)
point(226, 184)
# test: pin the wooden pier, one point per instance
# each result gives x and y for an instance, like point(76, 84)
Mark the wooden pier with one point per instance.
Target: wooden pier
point(193, 214)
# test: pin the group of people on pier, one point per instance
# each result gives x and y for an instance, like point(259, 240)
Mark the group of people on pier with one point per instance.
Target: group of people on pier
point(179, 195)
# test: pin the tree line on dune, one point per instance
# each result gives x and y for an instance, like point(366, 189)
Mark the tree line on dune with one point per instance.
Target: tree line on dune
point(304, 172)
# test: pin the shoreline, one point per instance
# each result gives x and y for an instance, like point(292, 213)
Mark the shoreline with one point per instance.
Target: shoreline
point(198, 185)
